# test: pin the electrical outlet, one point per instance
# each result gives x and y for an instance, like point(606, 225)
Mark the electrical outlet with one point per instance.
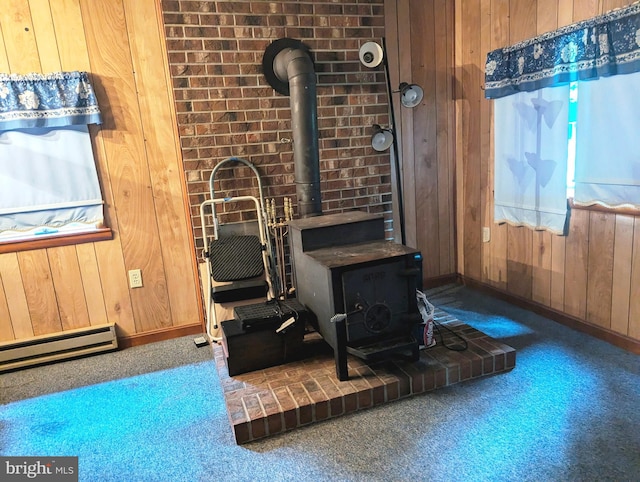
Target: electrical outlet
point(486, 235)
point(135, 278)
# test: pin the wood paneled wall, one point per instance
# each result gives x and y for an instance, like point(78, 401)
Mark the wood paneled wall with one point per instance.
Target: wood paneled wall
point(593, 274)
point(121, 44)
point(420, 47)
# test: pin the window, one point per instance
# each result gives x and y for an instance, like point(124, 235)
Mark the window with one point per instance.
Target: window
point(536, 85)
point(607, 157)
point(48, 180)
point(530, 130)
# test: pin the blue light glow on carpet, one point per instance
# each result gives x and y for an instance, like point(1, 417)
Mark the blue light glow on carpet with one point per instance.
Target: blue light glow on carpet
point(142, 414)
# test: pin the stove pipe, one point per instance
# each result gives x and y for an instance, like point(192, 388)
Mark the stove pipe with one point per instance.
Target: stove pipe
point(288, 67)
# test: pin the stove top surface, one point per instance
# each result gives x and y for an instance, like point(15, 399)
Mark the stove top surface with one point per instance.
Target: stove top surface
point(353, 254)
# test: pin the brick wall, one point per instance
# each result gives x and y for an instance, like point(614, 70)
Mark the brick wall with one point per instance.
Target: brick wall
point(226, 107)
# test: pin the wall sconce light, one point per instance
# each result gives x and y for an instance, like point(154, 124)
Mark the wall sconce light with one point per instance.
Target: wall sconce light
point(410, 94)
point(382, 138)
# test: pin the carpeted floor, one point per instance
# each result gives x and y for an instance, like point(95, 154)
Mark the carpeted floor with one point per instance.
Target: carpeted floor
point(568, 411)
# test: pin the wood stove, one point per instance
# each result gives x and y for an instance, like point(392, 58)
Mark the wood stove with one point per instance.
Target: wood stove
point(360, 287)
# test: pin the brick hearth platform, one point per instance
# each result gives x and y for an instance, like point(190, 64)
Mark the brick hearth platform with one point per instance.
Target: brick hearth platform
point(271, 401)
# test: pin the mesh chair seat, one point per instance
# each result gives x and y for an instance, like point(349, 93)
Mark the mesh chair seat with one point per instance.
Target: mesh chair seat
point(235, 258)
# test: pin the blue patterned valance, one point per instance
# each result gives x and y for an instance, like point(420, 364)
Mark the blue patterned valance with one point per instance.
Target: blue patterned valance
point(53, 100)
point(605, 45)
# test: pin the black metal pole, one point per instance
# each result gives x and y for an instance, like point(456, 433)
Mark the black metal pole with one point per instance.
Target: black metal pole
point(396, 152)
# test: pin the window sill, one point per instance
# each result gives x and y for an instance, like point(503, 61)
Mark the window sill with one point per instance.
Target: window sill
point(43, 242)
point(603, 209)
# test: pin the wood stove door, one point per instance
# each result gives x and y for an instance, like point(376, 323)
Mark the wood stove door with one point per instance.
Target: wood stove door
point(379, 300)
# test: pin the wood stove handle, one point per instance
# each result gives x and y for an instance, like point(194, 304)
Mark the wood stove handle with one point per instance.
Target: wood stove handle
point(343, 316)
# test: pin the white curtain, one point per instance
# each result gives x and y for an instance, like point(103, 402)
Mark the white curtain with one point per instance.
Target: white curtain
point(607, 154)
point(48, 181)
point(531, 158)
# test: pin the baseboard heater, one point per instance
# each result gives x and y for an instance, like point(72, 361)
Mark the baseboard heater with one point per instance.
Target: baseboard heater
point(57, 346)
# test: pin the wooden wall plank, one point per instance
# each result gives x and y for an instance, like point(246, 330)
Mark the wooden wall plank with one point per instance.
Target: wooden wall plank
point(500, 20)
point(6, 328)
point(609, 5)
point(519, 263)
point(460, 134)
point(557, 272)
point(19, 38)
point(621, 289)
point(4, 60)
point(45, 35)
point(118, 303)
point(163, 158)
point(576, 264)
point(498, 272)
point(523, 20)
point(67, 281)
point(584, 9)
point(546, 16)
point(113, 278)
point(600, 268)
point(443, 45)
point(425, 160)
point(40, 292)
point(69, 27)
point(565, 12)
point(14, 292)
point(541, 267)
point(472, 79)
point(108, 46)
point(92, 284)
point(451, 198)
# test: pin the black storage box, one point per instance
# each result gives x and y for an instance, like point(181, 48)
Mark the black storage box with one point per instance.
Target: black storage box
point(267, 315)
point(251, 343)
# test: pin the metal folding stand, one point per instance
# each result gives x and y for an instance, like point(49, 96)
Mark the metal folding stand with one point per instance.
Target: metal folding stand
point(240, 278)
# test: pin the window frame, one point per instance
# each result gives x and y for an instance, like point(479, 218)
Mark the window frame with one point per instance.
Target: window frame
point(52, 241)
